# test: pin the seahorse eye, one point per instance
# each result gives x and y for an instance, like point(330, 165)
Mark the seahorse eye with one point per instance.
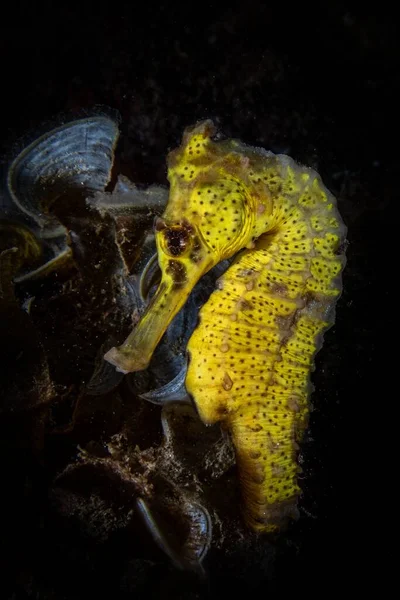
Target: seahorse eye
point(176, 240)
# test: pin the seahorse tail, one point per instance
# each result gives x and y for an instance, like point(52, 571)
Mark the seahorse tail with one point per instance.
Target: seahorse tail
point(267, 472)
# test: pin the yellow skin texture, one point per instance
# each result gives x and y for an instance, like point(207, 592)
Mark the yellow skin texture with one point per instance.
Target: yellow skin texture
point(252, 352)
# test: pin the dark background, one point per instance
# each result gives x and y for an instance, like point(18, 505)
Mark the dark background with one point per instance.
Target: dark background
point(319, 84)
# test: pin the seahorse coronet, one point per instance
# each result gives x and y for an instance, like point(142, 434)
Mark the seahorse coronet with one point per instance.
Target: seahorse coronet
point(252, 352)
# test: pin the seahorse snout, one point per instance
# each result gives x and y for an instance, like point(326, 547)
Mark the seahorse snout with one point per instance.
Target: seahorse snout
point(183, 259)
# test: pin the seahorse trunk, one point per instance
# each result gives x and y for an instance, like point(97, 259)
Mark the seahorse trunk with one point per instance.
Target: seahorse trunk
point(253, 352)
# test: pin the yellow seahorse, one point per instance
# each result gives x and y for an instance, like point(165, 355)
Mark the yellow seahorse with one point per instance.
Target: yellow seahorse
point(252, 353)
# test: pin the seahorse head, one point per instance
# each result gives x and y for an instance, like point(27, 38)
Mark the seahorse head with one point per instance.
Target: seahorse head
point(210, 215)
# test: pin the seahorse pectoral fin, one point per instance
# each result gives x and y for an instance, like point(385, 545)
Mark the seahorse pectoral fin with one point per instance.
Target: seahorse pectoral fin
point(176, 284)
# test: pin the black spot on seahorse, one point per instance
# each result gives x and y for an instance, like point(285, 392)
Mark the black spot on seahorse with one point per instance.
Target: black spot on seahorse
point(177, 239)
point(177, 270)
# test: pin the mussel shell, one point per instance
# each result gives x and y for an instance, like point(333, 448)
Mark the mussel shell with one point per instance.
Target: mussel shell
point(190, 553)
point(199, 539)
point(173, 391)
point(78, 155)
point(15, 234)
point(62, 259)
point(150, 277)
point(33, 258)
